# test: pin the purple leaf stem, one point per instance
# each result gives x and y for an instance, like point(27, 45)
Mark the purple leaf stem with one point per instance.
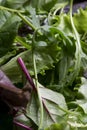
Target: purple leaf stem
point(21, 125)
point(24, 69)
point(47, 110)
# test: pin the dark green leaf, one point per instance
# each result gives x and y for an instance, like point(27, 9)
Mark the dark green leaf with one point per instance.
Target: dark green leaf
point(8, 31)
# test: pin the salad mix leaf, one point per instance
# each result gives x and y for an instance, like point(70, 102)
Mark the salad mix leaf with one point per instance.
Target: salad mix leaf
point(53, 48)
point(8, 27)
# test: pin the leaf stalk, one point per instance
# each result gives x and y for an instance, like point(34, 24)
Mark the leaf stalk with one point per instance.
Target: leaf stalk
point(38, 92)
point(19, 13)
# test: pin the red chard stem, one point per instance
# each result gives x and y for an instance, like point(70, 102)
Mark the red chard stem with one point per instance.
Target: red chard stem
point(24, 69)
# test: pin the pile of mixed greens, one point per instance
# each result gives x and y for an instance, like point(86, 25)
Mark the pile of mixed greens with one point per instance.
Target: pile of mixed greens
point(52, 44)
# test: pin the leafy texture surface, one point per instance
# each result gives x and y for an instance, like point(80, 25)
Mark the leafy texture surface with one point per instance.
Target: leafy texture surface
point(53, 46)
point(54, 107)
point(45, 57)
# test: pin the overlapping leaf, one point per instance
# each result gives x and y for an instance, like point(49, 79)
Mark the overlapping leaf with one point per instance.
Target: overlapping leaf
point(53, 103)
point(45, 57)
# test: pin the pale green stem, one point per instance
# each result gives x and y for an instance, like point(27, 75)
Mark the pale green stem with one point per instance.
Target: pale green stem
point(39, 95)
point(10, 10)
point(18, 12)
point(78, 45)
point(26, 21)
point(17, 39)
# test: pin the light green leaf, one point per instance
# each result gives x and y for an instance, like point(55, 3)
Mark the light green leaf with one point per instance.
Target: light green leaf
point(61, 126)
point(77, 125)
point(54, 107)
point(62, 22)
point(80, 20)
point(55, 127)
point(83, 105)
point(23, 119)
point(52, 96)
point(34, 17)
point(83, 88)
